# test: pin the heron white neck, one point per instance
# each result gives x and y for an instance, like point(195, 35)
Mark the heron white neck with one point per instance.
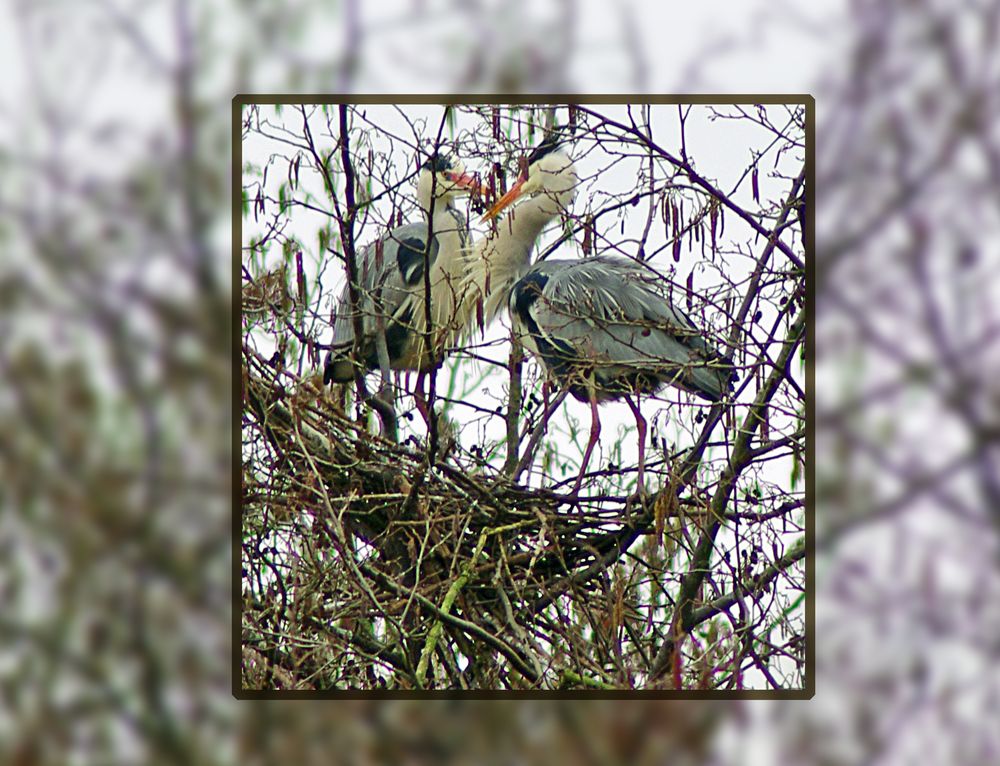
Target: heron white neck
point(505, 255)
point(433, 193)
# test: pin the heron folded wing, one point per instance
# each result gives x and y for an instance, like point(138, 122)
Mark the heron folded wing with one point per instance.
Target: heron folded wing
point(607, 319)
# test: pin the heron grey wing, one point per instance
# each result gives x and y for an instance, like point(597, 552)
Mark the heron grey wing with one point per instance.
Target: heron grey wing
point(389, 271)
point(406, 247)
point(709, 372)
point(616, 318)
point(590, 306)
point(628, 290)
point(650, 293)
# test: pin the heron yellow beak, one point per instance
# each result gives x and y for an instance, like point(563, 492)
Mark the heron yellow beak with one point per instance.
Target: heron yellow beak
point(506, 200)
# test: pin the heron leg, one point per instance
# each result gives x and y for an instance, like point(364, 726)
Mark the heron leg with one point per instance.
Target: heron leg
point(383, 401)
point(420, 399)
point(595, 433)
point(536, 434)
point(640, 426)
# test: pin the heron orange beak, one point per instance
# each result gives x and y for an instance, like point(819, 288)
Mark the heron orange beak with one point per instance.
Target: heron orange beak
point(465, 181)
point(506, 200)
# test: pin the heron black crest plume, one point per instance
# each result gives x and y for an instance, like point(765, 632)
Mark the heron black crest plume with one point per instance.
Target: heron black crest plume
point(558, 138)
point(438, 163)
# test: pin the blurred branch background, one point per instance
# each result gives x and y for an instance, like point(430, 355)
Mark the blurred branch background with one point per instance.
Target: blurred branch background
point(115, 426)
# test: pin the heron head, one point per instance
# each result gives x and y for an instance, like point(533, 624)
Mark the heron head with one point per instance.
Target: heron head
point(445, 178)
point(549, 172)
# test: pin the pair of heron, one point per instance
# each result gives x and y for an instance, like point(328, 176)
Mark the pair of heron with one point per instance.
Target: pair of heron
point(603, 327)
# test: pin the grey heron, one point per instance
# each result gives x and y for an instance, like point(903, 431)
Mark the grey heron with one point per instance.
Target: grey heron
point(392, 289)
point(603, 327)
